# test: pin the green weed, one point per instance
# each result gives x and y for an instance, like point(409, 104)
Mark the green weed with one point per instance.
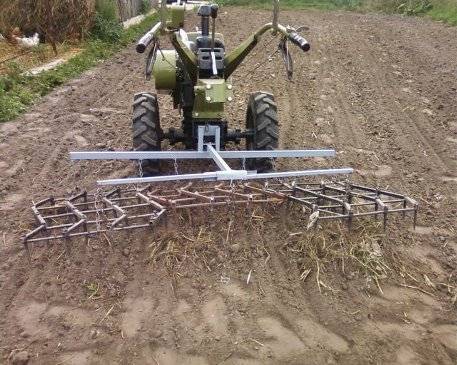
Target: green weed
point(444, 10)
point(145, 6)
point(298, 4)
point(18, 91)
point(107, 26)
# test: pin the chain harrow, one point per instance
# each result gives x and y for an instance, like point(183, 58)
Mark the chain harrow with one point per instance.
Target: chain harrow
point(86, 214)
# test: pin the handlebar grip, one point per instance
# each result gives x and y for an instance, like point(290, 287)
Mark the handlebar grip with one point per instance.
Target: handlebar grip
point(214, 10)
point(144, 42)
point(147, 39)
point(299, 41)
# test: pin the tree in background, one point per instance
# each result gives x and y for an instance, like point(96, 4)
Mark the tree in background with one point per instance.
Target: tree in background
point(55, 20)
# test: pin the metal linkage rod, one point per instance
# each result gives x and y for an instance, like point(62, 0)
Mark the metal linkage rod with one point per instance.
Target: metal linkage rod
point(225, 175)
point(217, 158)
point(196, 155)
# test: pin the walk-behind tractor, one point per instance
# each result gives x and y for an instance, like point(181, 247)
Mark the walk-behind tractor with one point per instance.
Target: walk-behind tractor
point(197, 74)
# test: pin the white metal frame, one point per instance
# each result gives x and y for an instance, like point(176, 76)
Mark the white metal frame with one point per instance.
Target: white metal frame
point(210, 150)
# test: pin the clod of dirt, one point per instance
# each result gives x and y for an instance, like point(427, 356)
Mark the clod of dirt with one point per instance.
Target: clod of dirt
point(156, 333)
point(126, 252)
point(235, 248)
point(20, 358)
point(93, 334)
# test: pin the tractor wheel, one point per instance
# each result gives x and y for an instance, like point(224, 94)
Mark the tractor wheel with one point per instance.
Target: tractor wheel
point(146, 129)
point(262, 119)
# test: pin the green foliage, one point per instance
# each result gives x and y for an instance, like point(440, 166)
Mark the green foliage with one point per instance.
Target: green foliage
point(415, 7)
point(40, 52)
point(445, 10)
point(106, 9)
point(106, 29)
point(18, 90)
point(93, 290)
point(13, 97)
point(145, 6)
point(106, 25)
point(298, 4)
point(406, 7)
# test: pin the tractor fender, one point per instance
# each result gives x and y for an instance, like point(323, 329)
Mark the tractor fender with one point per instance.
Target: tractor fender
point(164, 70)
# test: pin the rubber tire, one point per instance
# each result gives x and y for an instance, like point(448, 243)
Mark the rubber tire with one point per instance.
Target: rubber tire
point(262, 118)
point(146, 131)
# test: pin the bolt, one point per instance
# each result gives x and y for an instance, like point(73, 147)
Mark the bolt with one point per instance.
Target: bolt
point(208, 98)
point(229, 87)
point(196, 114)
point(208, 87)
point(229, 98)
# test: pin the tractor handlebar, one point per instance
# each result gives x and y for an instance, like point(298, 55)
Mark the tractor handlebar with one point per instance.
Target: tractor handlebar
point(299, 41)
point(147, 39)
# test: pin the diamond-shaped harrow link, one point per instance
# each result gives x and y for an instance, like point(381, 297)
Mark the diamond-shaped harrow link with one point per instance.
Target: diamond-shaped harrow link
point(346, 201)
point(88, 214)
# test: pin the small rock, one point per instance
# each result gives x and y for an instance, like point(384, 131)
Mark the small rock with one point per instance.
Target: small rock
point(235, 248)
point(100, 145)
point(126, 252)
point(93, 334)
point(427, 111)
point(20, 358)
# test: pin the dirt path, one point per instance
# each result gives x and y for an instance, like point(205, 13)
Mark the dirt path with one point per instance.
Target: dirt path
point(381, 90)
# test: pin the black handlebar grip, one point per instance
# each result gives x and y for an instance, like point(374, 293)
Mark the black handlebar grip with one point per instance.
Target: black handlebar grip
point(140, 48)
point(299, 41)
point(144, 42)
point(214, 9)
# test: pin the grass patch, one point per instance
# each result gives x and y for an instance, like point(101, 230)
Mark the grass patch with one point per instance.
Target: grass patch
point(298, 4)
point(443, 10)
point(19, 90)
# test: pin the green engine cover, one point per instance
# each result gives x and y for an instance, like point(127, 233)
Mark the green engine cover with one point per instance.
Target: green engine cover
point(176, 14)
point(164, 70)
point(210, 98)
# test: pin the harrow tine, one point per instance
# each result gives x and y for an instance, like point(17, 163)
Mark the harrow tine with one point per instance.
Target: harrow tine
point(129, 209)
point(27, 250)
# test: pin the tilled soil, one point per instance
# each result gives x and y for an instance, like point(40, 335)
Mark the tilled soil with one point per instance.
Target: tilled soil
point(381, 90)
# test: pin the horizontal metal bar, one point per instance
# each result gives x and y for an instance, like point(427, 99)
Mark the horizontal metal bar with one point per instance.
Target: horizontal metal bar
point(225, 175)
point(363, 214)
point(186, 155)
point(152, 179)
point(285, 174)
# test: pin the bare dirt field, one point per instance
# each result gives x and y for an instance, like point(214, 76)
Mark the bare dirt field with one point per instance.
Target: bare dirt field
point(381, 90)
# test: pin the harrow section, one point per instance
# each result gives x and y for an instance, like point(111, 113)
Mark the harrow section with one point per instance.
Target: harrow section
point(346, 201)
point(86, 214)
